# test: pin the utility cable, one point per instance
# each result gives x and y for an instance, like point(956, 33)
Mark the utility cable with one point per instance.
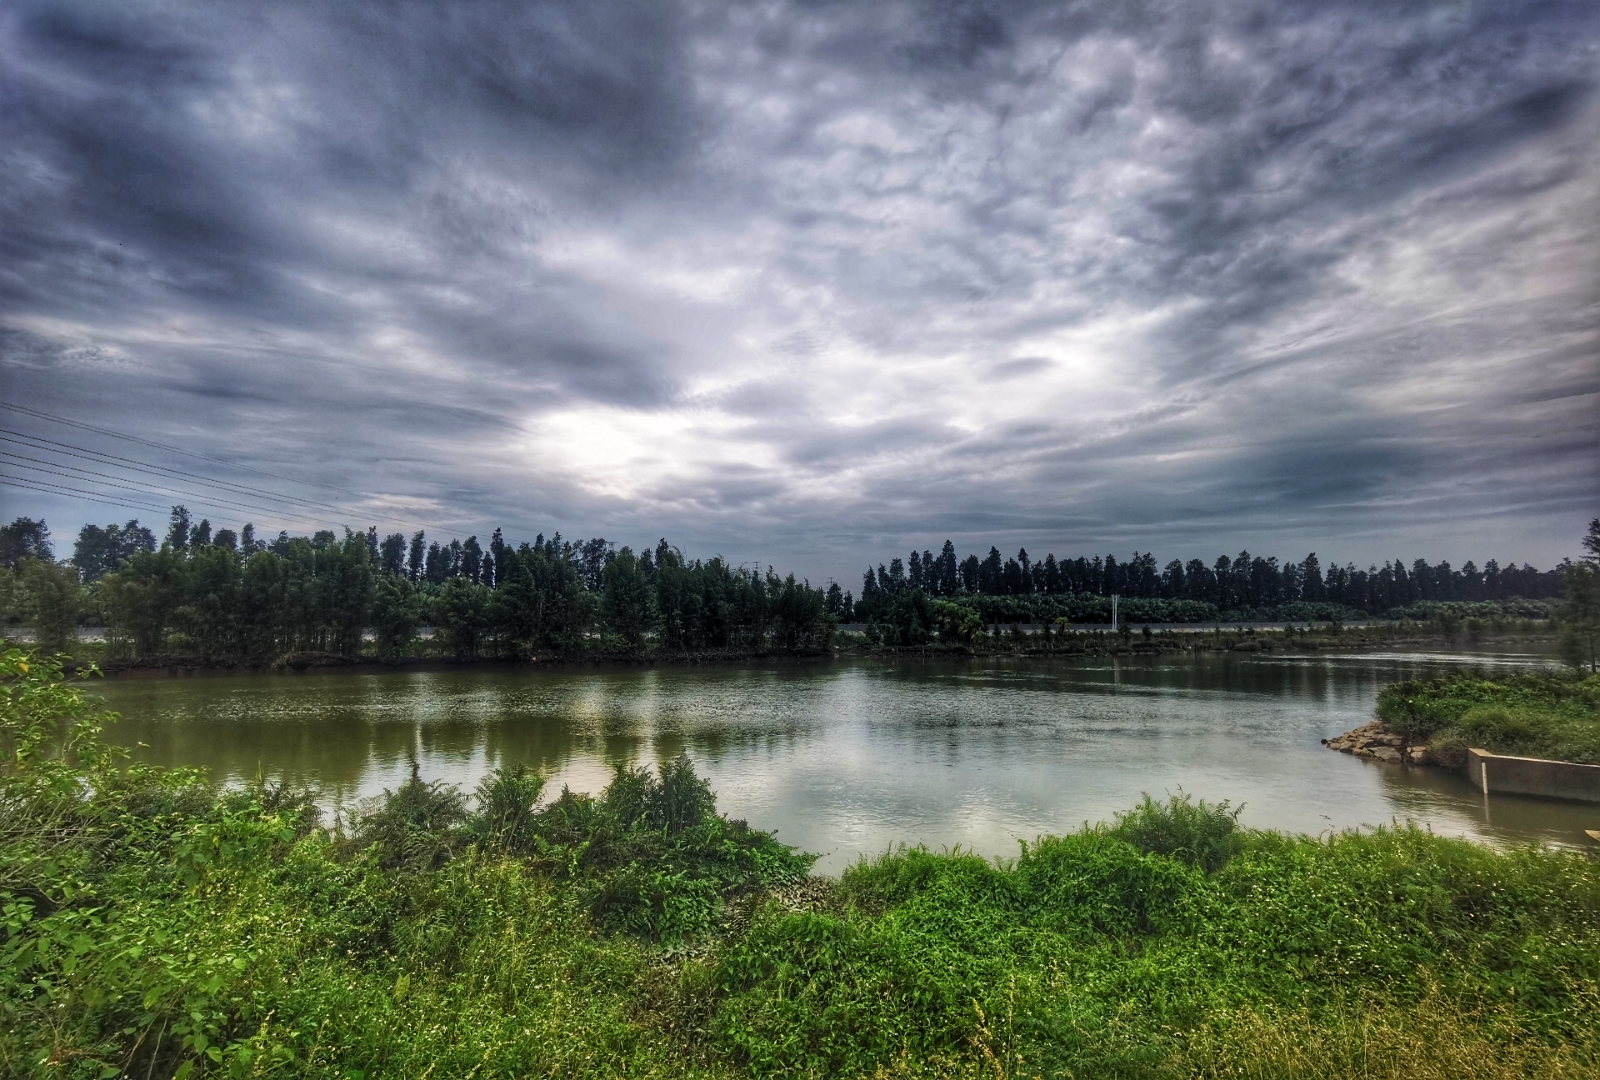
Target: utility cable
point(42, 415)
point(51, 446)
point(173, 493)
point(84, 453)
point(28, 484)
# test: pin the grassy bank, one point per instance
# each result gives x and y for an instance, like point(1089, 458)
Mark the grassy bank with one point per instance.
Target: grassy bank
point(1546, 714)
point(156, 926)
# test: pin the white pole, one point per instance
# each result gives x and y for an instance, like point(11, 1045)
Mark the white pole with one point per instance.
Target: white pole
point(1113, 613)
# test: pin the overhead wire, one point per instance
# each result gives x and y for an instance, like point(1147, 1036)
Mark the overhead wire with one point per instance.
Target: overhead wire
point(28, 484)
point(42, 415)
point(55, 469)
point(86, 454)
point(51, 446)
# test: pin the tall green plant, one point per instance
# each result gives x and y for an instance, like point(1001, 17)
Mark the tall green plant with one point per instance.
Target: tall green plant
point(54, 752)
point(1199, 833)
point(53, 598)
point(1580, 616)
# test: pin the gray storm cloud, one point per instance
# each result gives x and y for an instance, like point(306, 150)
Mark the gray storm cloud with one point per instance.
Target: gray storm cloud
point(811, 283)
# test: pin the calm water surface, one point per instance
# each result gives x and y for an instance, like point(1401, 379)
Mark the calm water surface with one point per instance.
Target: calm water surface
point(851, 757)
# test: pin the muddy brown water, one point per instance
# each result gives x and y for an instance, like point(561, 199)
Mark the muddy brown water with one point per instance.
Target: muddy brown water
point(851, 757)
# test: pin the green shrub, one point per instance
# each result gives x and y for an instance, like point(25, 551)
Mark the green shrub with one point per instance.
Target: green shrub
point(415, 827)
point(1553, 714)
point(507, 806)
point(1199, 833)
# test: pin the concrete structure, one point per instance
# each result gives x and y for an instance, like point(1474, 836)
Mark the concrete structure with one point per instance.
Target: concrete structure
point(1533, 776)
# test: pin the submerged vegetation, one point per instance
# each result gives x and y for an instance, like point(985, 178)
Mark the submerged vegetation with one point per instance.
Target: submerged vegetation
point(1544, 714)
point(156, 925)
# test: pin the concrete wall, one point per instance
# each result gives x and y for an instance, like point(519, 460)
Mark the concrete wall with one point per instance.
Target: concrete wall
point(1533, 776)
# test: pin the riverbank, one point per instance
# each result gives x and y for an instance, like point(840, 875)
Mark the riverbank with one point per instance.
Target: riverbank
point(1003, 642)
point(159, 922)
point(1552, 715)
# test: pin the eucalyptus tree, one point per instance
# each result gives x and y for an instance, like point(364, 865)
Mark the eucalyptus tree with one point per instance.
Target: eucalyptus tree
point(392, 554)
point(459, 613)
point(396, 615)
point(628, 603)
point(178, 528)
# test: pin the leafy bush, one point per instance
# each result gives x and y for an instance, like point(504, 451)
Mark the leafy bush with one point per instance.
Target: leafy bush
point(1198, 833)
point(507, 806)
point(415, 827)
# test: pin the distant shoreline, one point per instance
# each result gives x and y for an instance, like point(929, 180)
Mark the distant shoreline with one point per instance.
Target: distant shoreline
point(1082, 642)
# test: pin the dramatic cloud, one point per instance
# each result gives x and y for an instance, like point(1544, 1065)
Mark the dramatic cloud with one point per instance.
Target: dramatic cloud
point(810, 282)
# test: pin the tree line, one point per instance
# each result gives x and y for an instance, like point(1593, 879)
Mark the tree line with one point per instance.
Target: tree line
point(1244, 586)
point(232, 594)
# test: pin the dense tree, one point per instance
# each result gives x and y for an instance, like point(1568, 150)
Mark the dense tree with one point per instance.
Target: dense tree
point(470, 563)
point(628, 606)
point(491, 559)
point(991, 574)
point(1580, 637)
point(971, 574)
point(396, 614)
point(414, 562)
point(101, 550)
point(24, 538)
point(392, 555)
point(592, 556)
point(834, 601)
point(460, 613)
point(178, 529)
point(51, 598)
point(1580, 615)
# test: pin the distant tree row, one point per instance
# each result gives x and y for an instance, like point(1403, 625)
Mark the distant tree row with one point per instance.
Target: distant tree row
point(1244, 582)
point(229, 594)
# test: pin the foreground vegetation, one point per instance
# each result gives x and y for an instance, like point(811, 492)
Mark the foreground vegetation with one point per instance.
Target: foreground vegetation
point(156, 926)
point(1546, 714)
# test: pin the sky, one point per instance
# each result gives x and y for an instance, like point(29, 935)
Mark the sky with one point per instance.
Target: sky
point(811, 284)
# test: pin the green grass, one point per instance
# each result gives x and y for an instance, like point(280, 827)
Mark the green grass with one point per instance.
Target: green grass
point(1546, 714)
point(156, 926)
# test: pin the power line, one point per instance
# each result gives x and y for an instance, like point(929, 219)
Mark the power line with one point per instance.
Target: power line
point(202, 499)
point(51, 446)
point(42, 415)
point(28, 484)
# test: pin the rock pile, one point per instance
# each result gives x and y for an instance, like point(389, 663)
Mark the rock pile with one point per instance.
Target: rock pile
point(1376, 741)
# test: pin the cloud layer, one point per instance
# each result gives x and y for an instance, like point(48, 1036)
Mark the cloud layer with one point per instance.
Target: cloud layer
point(810, 282)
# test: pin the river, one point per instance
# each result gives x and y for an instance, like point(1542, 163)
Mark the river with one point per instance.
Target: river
point(850, 757)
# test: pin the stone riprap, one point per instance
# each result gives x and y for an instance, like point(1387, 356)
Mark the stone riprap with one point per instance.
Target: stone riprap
point(1375, 740)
